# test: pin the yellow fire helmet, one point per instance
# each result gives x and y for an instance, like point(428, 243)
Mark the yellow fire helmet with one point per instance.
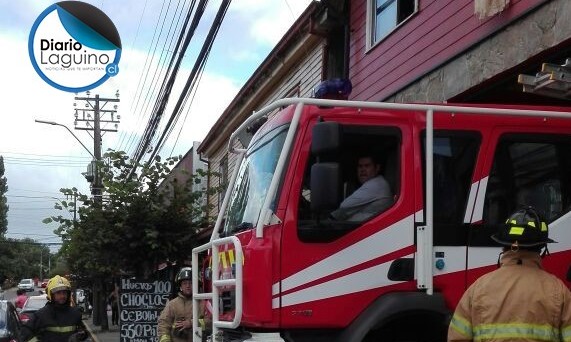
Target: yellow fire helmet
point(57, 283)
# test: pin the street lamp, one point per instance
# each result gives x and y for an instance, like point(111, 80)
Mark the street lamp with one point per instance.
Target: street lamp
point(64, 126)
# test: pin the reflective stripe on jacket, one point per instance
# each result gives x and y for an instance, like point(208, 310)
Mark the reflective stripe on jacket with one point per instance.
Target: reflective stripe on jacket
point(517, 302)
point(52, 323)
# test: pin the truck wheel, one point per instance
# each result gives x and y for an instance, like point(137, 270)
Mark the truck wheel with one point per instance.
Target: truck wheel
point(413, 328)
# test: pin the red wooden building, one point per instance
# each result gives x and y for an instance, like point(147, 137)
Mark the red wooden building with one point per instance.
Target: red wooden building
point(454, 50)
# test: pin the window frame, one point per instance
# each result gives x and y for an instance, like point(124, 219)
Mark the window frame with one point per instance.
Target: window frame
point(480, 235)
point(372, 41)
point(309, 228)
point(449, 232)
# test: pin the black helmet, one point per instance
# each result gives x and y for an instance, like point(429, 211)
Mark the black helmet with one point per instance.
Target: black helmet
point(185, 273)
point(523, 228)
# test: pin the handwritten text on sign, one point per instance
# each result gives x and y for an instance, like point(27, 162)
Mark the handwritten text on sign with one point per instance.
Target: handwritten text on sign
point(141, 303)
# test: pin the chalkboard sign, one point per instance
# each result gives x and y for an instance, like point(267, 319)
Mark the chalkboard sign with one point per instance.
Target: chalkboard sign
point(141, 303)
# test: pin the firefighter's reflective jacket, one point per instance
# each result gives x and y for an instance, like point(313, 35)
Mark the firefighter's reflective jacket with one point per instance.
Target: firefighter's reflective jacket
point(54, 323)
point(177, 309)
point(517, 302)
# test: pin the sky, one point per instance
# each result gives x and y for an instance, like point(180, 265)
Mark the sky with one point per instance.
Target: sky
point(41, 159)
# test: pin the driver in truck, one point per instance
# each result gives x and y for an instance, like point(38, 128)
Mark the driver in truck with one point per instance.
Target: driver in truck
point(372, 197)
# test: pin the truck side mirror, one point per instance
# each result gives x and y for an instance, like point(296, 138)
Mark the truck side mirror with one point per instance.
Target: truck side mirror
point(325, 186)
point(325, 138)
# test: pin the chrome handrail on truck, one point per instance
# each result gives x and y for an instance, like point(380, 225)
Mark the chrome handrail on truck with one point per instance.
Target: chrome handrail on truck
point(214, 296)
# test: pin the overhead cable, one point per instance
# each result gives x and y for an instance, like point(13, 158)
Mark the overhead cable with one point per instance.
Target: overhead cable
point(196, 70)
point(165, 92)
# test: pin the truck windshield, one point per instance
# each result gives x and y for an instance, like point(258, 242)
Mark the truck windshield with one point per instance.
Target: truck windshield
point(253, 181)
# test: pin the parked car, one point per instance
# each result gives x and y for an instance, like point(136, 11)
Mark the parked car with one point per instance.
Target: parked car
point(10, 324)
point(44, 283)
point(33, 304)
point(26, 285)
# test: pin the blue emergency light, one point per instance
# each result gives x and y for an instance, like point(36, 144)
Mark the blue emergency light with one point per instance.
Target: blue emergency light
point(336, 88)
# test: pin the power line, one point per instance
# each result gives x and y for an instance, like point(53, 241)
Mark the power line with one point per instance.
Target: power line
point(143, 78)
point(23, 196)
point(190, 84)
point(12, 241)
point(23, 159)
point(38, 191)
point(26, 202)
point(146, 67)
point(45, 164)
point(192, 80)
point(290, 10)
point(169, 80)
point(44, 155)
point(159, 87)
point(46, 235)
point(186, 114)
point(28, 208)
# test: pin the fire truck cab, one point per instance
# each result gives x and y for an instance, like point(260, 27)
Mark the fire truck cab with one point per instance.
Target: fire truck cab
point(282, 268)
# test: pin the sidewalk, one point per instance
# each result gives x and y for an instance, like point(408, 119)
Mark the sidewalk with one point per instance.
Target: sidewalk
point(102, 336)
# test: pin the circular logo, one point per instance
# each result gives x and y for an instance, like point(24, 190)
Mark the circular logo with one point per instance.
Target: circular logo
point(74, 46)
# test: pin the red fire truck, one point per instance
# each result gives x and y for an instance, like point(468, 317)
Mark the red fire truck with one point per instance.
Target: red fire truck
point(279, 267)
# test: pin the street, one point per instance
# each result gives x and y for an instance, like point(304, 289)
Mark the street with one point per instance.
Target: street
point(10, 294)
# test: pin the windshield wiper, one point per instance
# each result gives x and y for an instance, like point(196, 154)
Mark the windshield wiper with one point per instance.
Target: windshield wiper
point(242, 226)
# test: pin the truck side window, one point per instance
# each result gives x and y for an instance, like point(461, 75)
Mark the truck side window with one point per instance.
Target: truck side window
point(454, 158)
point(527, 170)
point(380, 141)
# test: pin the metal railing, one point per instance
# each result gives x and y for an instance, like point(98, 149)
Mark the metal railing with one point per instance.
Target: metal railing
point(214, 297)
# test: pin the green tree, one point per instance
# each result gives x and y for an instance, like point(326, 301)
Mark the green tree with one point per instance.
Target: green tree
point(59, 266)
point(143, 220)
point(3, 200)
point(23, 258)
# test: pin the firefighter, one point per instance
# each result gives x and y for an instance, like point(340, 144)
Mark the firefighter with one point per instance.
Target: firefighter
point(57, 321)
point(175, 321)
point(519, 301)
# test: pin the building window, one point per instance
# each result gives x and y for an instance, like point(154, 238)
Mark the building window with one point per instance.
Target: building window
point(385, 15)
point(222, 179)
point(293, 91)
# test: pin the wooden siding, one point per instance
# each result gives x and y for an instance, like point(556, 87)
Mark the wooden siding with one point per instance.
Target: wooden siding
point(306, 74)
point(216, 199)
point(440, 30)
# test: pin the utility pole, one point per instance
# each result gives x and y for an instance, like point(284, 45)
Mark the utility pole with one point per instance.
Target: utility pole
point(74, 195)
point(92, 116)
point(41, 264)
point(74, 208)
